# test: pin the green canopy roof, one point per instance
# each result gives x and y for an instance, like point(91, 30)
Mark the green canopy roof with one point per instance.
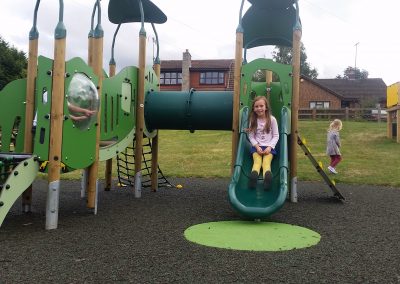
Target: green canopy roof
point(274, 4)
point(128, 11)
point(269, 22)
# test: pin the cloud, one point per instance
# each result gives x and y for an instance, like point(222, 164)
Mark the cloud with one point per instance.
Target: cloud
point(208, 29)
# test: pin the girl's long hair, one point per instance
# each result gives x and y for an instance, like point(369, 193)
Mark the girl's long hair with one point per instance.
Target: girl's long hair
point(335, 125)
point(253, 115)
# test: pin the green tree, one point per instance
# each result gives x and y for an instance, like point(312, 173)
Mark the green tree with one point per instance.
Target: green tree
point(353, 73)
point(13, 63)
point(283, 54)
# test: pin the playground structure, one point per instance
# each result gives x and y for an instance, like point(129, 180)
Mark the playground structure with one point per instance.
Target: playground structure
point(69, 115)
point(393, 110)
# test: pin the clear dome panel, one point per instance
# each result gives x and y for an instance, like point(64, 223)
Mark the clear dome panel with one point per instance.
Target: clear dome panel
point(83, 101)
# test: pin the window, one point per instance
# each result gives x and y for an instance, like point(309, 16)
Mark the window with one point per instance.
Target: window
point(170, 78)
point(319, 104)
point(212, 78)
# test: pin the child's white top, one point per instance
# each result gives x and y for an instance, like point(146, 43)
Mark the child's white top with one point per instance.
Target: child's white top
point(262, 138)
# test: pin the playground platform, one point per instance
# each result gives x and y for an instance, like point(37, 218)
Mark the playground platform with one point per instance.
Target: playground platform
point(141, 240)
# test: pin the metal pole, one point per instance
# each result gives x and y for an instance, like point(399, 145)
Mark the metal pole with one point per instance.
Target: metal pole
point(355, 61)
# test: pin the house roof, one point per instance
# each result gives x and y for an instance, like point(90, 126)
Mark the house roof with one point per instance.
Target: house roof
point(210, 64)
point(314, 81)
point(356, 89)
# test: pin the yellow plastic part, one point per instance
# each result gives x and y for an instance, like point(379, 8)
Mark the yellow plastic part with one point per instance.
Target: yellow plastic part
point(393, 95)
point(320, 164)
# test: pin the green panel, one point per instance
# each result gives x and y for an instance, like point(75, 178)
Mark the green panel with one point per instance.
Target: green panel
point(191, 110)
point(269, 23)
point(12, 109)
point(17, 182)
point(119, 109)
point(78, 147)
point(110, 151)
point(126, 101)
point(117, 106)
point(281, 92)
point(128, 11)
point(43, 107)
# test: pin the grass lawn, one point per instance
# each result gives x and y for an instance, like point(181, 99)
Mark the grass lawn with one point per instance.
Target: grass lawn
point(368, 156)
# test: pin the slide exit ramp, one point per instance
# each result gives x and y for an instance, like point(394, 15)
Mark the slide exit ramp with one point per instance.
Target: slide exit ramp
point(14, 180)
point(257, 203)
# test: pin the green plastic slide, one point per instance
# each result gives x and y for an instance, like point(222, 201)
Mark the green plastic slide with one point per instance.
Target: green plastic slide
point(256, 203)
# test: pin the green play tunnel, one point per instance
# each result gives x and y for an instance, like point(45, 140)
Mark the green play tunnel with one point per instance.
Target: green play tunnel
point(190, 110)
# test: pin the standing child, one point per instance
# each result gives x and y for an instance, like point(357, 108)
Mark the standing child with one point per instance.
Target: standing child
point(263, 136)
point(333, 144)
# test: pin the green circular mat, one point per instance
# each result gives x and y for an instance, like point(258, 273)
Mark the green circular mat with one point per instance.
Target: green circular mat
point(253, 236)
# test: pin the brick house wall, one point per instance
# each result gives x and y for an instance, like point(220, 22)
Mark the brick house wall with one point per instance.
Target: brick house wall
point(177, 87)
point(310, 92)
point(191, 69)
point(195, 82)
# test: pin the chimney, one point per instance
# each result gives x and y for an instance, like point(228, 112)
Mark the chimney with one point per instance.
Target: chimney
point(186, 64)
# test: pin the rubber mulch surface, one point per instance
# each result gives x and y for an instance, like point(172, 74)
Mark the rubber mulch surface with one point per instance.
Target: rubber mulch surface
point(134, 240)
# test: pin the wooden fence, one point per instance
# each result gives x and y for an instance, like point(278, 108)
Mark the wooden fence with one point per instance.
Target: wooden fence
point(357, 114)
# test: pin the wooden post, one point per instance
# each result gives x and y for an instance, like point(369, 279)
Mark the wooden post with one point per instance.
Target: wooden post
point(268, 81)
point(85, 172)
point(314, 114)
point(90, 50)
point(268, 77)
point(154, 144)
point(236, 94)
point(30, 108)
point(379, 114)
point(295, 113)
point(92, 183)
point(56, 126)
point(140, 113)
point(398, 124)
point(389, 129)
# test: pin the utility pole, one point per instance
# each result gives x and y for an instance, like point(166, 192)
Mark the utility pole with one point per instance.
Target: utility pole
point(355, 61)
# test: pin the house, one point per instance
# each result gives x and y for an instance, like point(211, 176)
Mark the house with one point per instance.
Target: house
point(315, 95)
point(341, 93)
point(202, 75)
point(217, 75)
point(357, 93)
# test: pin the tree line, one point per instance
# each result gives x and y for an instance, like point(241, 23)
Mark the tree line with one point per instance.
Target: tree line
point(13, 63)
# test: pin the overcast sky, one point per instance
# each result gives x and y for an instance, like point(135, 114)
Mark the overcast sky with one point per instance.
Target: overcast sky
point(331, 30)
